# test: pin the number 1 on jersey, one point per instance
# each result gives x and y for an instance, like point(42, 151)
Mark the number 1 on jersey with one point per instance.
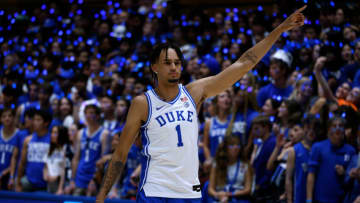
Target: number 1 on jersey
point(178, 130)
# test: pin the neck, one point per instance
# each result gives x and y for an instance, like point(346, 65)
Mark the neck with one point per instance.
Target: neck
point(266, 136)
point(232, 160)
point(8, 130)
point(280, 83)
point(168, 92)
point(93, 128)
point(222, 115)
point(42, 132)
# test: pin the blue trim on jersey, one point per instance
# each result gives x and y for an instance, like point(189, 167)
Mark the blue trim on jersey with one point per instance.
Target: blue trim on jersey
point(171, 102)
point(149, 110)
point(189, 95)
point(146, 157)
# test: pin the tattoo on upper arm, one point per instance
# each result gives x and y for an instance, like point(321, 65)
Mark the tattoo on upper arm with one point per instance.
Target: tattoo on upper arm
point(249, 55)
point(114, 170)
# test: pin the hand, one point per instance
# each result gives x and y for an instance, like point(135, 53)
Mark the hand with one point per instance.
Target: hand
point(91, 189)
point(221, 195)
point(60, 191)
point(11, 184)
point(353, 173)
point(294, 20)
point(319, 64)
point(339, 170)
point(134, 179)
point(100, 163)
point(69, 189)
point(18, 187)
point(280, 140)
point(113, 194)
point(207, 164)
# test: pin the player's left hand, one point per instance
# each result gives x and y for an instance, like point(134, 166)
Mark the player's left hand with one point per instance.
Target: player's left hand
point(294, 20)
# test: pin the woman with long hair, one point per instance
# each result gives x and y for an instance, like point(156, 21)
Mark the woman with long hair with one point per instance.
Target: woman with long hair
point(54, 170)
point(231, 176)
point(215, 127)
point(244, 108)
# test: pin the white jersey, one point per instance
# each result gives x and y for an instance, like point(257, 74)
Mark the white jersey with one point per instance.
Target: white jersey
point(170, 161)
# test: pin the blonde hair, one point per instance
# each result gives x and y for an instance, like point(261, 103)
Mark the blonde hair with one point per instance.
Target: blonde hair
point(250, 98)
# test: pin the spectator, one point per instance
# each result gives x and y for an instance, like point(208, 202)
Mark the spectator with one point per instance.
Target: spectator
point(231, 175)
point(9, 148)
point(279, 70)
point(33, 153)
point(91, 144)
point(297, 162)
point(66, 109)
point(261, 153)
point(215, 127)
point(54, 169)
point(327, 165)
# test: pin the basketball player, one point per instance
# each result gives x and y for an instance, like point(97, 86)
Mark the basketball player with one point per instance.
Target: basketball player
point(167, 119)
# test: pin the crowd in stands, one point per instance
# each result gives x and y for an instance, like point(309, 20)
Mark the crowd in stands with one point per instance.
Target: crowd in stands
point(288, 131)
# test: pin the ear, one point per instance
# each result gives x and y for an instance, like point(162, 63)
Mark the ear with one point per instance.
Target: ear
point(154, 68)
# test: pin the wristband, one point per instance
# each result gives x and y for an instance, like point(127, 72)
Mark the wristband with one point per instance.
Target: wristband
point(309, 201)
point(232, 193)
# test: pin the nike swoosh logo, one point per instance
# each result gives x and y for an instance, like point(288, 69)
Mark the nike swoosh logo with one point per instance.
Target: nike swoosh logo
point(160, 107)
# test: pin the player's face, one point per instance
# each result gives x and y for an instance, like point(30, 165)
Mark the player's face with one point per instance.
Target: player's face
point(168, 66)
point(7, 118)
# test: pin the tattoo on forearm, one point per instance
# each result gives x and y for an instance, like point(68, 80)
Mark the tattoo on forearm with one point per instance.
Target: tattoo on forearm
point(249, 55)
point(114, 170)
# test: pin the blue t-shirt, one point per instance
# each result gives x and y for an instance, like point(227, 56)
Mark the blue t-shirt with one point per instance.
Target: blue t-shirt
point(270, 91)
point(302, 156)
point(38, 148)
point(217, 133)
point(7, 147)
point(353, 184)
point(357, 79)
point(329, 186)
point(242, 126)
point(90, 152)
point(262, 174)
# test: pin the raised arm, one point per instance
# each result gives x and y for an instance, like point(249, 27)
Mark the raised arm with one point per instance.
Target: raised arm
point(136, 116)
point(321, 80)
point(212, 86)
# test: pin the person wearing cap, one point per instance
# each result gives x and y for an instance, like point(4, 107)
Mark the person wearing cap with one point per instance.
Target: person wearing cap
point(279, 69)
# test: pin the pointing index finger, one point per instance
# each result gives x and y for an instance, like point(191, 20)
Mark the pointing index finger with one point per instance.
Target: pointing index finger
point(300, 9)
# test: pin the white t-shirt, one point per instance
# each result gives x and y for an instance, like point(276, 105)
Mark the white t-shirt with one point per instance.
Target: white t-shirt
point(56, 162)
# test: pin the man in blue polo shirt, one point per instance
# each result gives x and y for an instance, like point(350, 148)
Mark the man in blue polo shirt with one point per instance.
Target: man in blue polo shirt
point(327, 165)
